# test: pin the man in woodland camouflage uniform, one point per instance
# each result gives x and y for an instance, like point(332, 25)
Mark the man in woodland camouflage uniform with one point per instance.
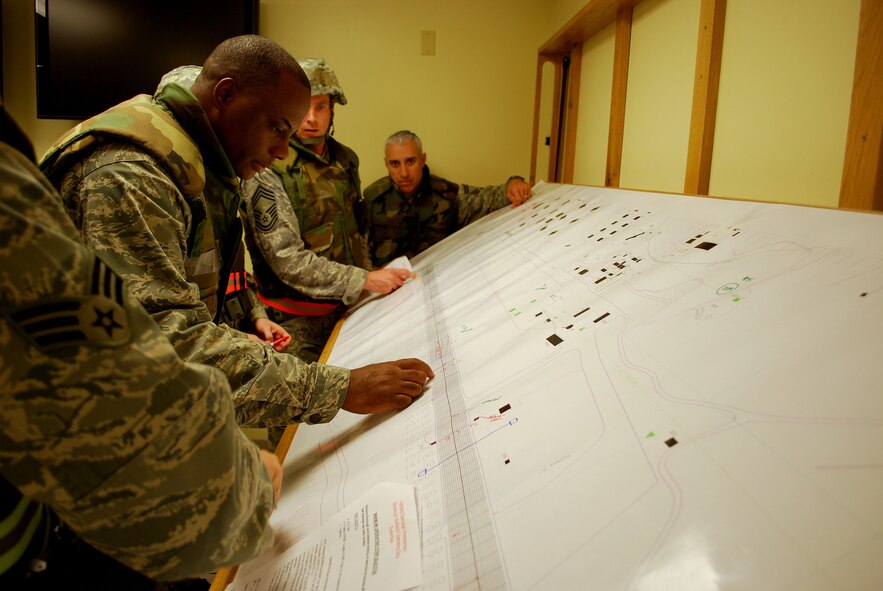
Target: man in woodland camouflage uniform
point(411, 209)
point(130, 459)
point(305, 226)
point(153, 185)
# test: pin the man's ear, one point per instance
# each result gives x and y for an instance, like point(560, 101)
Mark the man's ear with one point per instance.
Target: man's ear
point(223, 93)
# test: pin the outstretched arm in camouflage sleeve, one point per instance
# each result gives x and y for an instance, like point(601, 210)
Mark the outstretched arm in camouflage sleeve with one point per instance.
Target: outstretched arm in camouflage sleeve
point(477, 202)
point(137, 451)
point(275, 233)
point(130, 213)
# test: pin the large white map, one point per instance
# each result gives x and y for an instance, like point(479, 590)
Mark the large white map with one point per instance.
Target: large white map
point(633, 391)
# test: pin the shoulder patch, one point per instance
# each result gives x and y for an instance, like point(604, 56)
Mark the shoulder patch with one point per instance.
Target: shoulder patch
point(265, 214)
point(99, 319)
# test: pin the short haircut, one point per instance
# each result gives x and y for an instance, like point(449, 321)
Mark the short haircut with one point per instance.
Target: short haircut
point(252, 61)
point(403, 137)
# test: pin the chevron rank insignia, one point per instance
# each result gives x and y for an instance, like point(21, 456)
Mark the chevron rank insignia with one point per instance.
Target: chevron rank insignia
point(265, 215)
point(99, 319)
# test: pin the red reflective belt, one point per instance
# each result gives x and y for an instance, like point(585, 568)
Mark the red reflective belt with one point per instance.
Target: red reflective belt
point(290, 306)
point(236, 282)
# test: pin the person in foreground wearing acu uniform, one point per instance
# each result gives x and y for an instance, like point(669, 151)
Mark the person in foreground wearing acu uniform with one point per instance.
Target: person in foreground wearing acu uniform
point(411, 209)
point(153, 186)
point(306, 229)
point(119, 463)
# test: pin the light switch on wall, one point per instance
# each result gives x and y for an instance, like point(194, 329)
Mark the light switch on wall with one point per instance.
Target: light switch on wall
point(427, 42)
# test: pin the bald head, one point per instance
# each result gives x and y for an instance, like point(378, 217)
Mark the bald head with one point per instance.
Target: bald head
point(254, 94)
point(254, 62)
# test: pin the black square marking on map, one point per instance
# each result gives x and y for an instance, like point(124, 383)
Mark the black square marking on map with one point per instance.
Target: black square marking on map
point(555, 339)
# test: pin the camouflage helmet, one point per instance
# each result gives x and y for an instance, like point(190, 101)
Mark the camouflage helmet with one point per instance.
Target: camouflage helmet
point(322, 79)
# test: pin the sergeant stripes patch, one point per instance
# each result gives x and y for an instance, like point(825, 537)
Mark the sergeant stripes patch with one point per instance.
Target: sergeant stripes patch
point(265, 215)
point(107, 283)
point(97, 319)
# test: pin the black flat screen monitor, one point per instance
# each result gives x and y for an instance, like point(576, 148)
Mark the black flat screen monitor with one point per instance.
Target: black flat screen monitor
point(93, 54)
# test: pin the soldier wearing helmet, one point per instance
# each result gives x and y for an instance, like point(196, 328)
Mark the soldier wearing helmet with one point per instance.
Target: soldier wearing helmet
point(306, 228)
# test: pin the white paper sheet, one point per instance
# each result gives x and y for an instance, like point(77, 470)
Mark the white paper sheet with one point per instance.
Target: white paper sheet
point(371, 545)
point(633, 391)
point(367, 296)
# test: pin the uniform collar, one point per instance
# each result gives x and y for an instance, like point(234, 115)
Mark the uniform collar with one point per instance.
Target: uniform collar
point(422, 188)
point(185, 108)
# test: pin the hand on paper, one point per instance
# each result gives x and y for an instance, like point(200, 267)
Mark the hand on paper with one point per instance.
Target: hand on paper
point(517, 191)
point(385, 281)
point(391, 385)
point(274, 469)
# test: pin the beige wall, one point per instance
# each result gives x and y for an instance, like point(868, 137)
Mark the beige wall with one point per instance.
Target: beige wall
point(786, 82)
point(471, 102)
point(660, 90)
point(593, 125)
point(784, 93)
point(561, 11)
point(660, 95)
point(19, 77)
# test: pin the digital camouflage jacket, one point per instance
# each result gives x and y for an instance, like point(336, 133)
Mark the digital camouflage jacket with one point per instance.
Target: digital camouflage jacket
point(139, 180)
point(136, 451)
point(284, 266)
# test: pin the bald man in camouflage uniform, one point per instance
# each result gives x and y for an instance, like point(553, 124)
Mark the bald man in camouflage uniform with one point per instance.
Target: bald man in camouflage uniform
point(411, 209)
point(305, 226)
point(153, 185)
point(102, 424)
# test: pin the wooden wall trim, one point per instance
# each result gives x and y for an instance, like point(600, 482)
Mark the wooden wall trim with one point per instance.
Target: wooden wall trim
point(593, 17)
point(618, 95)
point(705, 92)
point(861, 185)
point(535, 135)
point(572, 116)
point(554, 152)
point(862, 176)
